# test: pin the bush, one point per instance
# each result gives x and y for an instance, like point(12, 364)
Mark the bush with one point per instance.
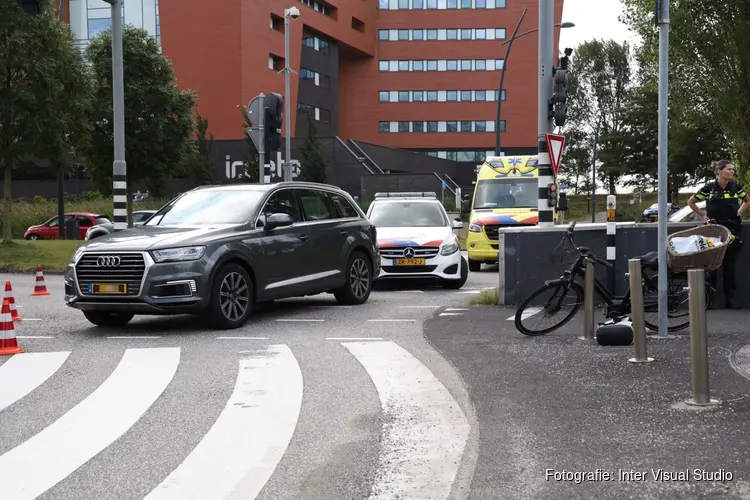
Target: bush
point(25, 213)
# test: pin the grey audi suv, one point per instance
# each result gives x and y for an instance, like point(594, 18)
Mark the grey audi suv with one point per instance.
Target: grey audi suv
point(217, 251)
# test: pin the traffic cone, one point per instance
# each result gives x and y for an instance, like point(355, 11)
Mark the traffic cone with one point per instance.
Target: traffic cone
point(9, 295)
point(8, 342)
point(39, 287)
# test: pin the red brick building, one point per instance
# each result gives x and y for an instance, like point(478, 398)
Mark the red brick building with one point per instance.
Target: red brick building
point(412, 74)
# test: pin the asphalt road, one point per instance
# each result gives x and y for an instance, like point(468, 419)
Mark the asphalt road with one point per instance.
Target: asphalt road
point(310, 400)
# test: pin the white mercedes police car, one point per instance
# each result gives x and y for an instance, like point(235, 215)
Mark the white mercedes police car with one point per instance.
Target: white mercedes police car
point(416, 239)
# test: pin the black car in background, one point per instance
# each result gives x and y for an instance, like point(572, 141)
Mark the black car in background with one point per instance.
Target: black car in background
point(216, 251)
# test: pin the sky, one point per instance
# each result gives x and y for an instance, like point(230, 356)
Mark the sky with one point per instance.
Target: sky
point(590, 23)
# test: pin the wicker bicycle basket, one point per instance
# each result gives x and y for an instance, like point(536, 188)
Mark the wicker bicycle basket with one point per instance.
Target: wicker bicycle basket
point(709, 259)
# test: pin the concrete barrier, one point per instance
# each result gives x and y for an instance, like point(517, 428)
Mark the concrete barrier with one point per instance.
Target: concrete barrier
point(528, 256)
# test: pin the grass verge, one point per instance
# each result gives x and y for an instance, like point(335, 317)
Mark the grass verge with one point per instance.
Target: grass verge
point(486, 298)
point(24, 256)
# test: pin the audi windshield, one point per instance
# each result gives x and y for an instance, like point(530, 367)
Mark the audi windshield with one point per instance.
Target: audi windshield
point(210, 207)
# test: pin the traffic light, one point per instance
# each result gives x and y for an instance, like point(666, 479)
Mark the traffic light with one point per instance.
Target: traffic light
point(30, 6)
point(273, 104)
point(552, 195)
point(560, 97)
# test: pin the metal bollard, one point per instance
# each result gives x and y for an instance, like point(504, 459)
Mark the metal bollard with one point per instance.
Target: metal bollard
point(588, 302)
point(698, 342)
point(636, 312)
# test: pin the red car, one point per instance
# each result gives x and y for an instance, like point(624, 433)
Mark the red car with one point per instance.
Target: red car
point(50, 229)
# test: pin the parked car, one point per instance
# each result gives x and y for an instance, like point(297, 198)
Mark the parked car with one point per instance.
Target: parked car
point(686, 214)
point(139, 217)
point(651, 214)
point(216, 251)
point(50, 229)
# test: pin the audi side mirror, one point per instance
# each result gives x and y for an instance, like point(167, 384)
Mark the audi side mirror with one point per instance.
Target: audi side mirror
point(278, 220)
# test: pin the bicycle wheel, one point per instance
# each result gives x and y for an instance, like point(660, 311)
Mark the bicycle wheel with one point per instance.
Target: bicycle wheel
point(678, 309)
point(528, 311)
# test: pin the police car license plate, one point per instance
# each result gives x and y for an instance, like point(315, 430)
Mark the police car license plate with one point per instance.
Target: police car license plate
point(408, 262)
point(108, 288)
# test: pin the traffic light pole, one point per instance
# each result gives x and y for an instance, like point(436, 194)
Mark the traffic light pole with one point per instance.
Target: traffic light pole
point(662, 160)
point(545, 125)
point(119, 167)
point(262, 141)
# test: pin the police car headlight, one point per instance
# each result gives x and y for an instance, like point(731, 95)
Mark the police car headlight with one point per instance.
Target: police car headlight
point(450, 246)
point(475, 228)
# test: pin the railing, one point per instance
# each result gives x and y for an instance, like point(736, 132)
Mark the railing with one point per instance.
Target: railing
point(364, 155)
point(452, 187)
point(361, 159)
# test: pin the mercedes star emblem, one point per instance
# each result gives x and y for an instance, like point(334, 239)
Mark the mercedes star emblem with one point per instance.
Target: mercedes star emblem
point(408, 253)
point(108, 261)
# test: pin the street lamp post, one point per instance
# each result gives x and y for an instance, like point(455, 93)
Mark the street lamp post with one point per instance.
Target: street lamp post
point(293, 13)
point(509, 43)
point(119, 167)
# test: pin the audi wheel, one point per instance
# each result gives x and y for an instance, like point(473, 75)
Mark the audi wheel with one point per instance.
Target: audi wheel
point(359, 280)
point(231, 297)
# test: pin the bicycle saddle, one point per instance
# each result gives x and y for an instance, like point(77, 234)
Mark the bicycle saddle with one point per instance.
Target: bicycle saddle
point(650, 261)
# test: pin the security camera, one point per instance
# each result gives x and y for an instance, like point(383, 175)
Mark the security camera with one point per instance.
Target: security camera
point(292, 12)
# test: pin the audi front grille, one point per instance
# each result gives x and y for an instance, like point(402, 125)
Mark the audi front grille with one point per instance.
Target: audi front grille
point(111, 268)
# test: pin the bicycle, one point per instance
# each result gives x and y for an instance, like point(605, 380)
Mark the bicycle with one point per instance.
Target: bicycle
point(615, 307)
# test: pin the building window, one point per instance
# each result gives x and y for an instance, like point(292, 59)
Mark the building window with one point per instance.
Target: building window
point(432, 34)
point(451, 4)
point(403, 96)
point(385, 96)
point(306, 74)
point(383, 65)
point(441, 126)
point(432, 4)
point(417, 4)
point(451, 95)
point(466, 95)
point(451, 34)
point(417, 96)
point(97, 26)
point(432, 65)
point(451, 65)
point(467, 34)
point(383, 35)
point(465, 65)
point(324, 81)
point(275, 63)
point(480, 95)
point(417, 34)
point(435, 4)
point(432, 96)
point(324, 115)
point(403, 34)
point(417, 65)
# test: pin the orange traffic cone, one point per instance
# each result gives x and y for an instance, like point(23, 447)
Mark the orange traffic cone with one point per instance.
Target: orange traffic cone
point(12, 301)
point(39, 287)
point(8, 342)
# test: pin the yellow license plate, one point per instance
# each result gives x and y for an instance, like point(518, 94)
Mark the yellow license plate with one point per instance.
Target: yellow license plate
point(109, 288)
point(409, 262)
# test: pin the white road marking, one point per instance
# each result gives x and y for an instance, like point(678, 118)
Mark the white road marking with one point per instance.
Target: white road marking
point(471, 292)
point(451, 314)
point(425, 431)
point(242, 449)
point(300, 320)
point(31, 319)
point(135, 337)
point(23, 373)
point(33, 337)
point(411, 291)
point(527, 313)
point(456, 309)
point(353, 338)
point(38, 464)
point(392, 320)
point(241, 338)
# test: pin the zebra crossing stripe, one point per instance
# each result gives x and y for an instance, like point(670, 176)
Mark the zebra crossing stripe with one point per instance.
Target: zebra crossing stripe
point(22, 374)
point(239, 453)
point(38, 464)
point(425, 431)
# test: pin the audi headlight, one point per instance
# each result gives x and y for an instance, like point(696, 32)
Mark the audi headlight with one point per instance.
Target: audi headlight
point(450, 246)
point(178, 254)
point(475, 228)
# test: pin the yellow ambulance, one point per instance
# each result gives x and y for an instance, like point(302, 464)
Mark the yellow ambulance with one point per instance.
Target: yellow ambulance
point(506, 194)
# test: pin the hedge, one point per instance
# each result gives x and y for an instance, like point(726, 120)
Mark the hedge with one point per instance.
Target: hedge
point(25, 213)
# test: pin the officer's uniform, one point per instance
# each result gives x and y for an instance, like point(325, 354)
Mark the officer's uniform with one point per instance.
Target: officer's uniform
point(722, 205)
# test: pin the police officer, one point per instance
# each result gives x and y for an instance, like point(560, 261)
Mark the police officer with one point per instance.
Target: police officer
point(722, 198)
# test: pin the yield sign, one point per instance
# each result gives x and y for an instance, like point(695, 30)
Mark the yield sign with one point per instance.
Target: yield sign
point(555, 145)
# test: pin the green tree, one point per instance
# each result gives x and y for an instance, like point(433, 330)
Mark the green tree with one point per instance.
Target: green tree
point(576, 164)
point(709, 69)
point(599, 82)
point(252, 158)
point(313, 166)
point(45, 91)
point(158, 115)
point(201, 164)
